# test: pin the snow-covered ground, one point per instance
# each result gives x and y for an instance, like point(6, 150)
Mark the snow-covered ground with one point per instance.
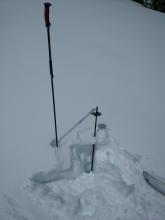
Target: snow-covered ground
point(116, 189)
point(108, 53)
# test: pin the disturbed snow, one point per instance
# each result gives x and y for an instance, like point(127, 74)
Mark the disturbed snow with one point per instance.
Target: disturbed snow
point(115, 190)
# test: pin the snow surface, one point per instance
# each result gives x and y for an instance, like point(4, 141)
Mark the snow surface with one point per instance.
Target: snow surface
point(116, 190)
point(108, 53)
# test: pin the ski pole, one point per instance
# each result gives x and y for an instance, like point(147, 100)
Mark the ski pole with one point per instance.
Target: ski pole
point(96, 114)
point(78, 123)
point(47, 23)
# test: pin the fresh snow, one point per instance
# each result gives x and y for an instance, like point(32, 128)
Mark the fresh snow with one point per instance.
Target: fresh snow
point(108, 53)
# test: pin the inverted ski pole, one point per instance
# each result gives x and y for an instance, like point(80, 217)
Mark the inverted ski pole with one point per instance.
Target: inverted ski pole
point(78, 123)
point(96, 114)
point(47, 23)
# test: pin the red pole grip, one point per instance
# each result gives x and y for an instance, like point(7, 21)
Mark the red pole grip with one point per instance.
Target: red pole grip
point(46, 14)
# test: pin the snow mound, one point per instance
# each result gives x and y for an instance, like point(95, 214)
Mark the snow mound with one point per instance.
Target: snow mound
point(116, 190)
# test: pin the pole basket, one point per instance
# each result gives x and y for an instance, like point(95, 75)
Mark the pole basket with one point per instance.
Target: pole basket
point(96, 113)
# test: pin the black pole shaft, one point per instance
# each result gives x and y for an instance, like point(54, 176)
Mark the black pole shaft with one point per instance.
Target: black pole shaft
point(94, 145)
point(52, 84)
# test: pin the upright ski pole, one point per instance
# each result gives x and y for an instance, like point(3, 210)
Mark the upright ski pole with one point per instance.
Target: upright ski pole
point(96, 114)
point(47, 23)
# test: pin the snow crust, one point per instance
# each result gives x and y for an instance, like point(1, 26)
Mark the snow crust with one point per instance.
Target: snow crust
point(115, 190)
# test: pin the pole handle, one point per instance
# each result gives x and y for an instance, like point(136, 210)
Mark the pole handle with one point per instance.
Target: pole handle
point(46, 14)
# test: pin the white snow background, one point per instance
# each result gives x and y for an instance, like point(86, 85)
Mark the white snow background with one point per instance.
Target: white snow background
point(108, 53)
